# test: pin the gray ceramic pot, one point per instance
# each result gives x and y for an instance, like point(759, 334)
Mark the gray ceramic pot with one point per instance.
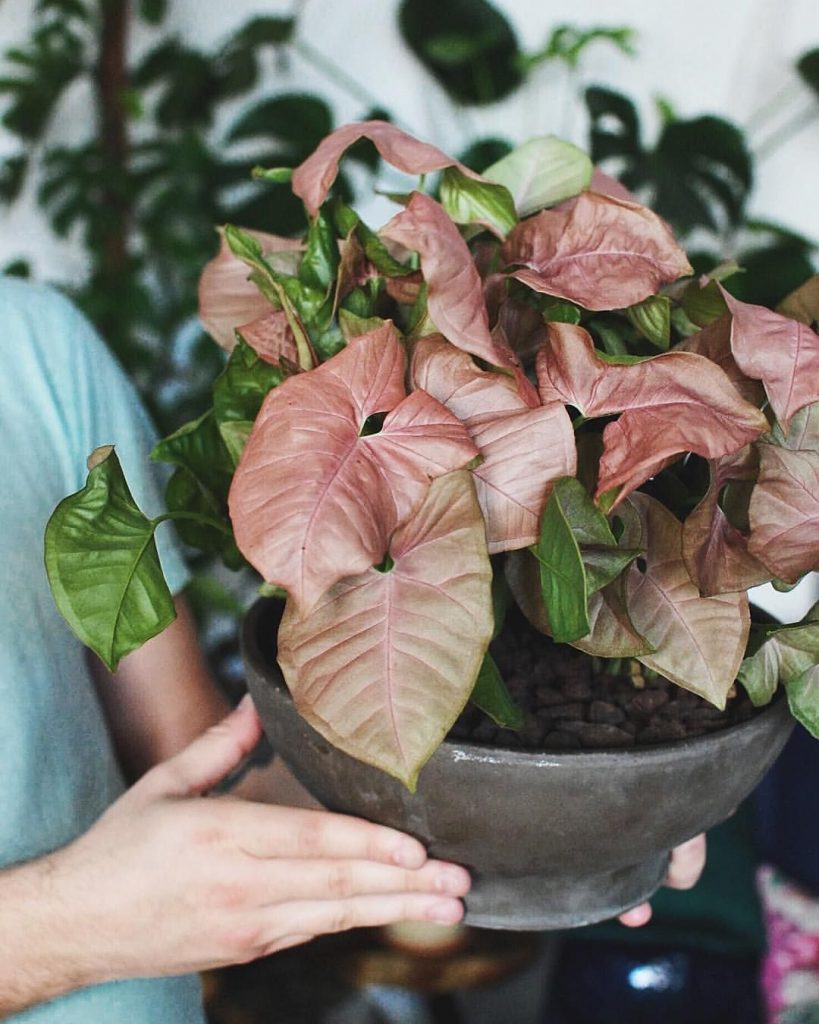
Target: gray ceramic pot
point(552, 840)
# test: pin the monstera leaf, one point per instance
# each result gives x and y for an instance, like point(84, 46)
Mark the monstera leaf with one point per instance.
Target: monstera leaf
point(671, 403)
point(601, 253)
point(313, 179)
point(385, 662)
point(523, 449)
point(315, 496)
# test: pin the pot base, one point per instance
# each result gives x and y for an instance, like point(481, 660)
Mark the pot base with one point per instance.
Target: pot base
point(541, 903)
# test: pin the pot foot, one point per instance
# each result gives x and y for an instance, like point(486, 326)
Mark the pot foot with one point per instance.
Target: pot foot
point(543, 903)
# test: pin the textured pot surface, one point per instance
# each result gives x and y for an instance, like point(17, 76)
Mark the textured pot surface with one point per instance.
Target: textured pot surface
point(553, 840)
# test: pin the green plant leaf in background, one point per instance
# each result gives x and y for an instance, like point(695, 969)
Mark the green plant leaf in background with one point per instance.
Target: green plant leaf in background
point(103, 565)
point(808, 68)
point(468, 46)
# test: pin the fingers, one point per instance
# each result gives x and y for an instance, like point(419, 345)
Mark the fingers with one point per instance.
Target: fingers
point(268, 831)
point(206, 761)
point(281, 880)
point(687, 862)
point(637, 916)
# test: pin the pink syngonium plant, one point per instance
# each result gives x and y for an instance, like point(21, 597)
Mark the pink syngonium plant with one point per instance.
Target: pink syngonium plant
point(375, 485)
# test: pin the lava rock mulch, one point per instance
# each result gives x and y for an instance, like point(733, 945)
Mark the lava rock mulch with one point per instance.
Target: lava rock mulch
point(568, 706)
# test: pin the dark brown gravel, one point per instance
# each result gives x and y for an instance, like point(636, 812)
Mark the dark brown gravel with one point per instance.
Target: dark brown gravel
point(568, 706)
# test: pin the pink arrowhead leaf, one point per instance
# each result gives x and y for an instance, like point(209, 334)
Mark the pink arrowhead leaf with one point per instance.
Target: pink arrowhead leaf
point(601, 252)
point(313, 179)
point(714, 342)
point(386, 661)
point(605, 185)
point(782, 353)
point(313, 500)
point(784, 511)
point(671, 403)
point(699, 642)
point(271, 338)
point(524, 449)
point(226, 297)
point(716, 552)
point(455, 291)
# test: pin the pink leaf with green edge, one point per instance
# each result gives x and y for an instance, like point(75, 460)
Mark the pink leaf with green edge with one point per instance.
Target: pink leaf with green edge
point(715, 551)
point(784, 511)
point(671, 403)
point(226, 297)
point(714, 342)
point(386, 661)
point(523, 449)
point(313, 179)
point(600, 252)
point(313, 500)
point(271, 338)
point(698, 642)
point(454, 288)
point(782, 353)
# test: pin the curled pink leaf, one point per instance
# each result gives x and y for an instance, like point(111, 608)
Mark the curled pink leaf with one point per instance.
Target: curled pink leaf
point(313, 178)
point(314, 500)
point(714, 342)
point(601, 252)
point(699, 642)
point(226, 297)
point(271, 338)
point(671, 403)
point(524, 450)
point(385, 662)
point(782, 353)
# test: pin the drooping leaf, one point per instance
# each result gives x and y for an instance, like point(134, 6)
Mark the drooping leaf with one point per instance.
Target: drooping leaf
point(787, 655)
point(103, 566)
point(523, 449)
point(699, 641)
point(602, 253)
point(782, 353)
point(468, 201)
point(227, 297)
point(313, 179)
point(784, 511)
point(455, 291)
point(578, 555)
point(385, 662)
point(714, 342)
point(716, 552)
point(671, 403)
point(313, 500)
point(542, 172)
point(492, 696)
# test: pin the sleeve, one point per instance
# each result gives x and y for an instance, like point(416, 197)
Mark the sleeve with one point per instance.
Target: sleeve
point(107, 410)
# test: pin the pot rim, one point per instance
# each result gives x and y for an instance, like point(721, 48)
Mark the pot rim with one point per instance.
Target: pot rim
point(462, 751)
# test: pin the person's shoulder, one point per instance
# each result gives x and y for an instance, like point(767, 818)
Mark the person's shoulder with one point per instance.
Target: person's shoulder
point(41, 320)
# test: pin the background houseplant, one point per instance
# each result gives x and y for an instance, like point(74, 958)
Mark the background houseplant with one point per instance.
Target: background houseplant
point(384, 470)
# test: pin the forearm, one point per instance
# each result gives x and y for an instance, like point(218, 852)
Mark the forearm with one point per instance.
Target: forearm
point(41, 953)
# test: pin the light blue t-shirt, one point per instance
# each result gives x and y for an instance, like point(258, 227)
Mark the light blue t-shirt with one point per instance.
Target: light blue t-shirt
point(61, 395)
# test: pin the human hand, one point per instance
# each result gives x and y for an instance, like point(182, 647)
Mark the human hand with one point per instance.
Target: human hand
point(167, 883)
point(684, 870)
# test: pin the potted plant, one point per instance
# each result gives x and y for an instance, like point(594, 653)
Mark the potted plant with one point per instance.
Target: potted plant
point(514, 400)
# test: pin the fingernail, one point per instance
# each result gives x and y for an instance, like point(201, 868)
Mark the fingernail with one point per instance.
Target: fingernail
point(410, 855)
point(245, 703)
point(454, 881)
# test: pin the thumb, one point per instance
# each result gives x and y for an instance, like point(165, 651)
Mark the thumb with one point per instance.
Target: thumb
point(211, 757)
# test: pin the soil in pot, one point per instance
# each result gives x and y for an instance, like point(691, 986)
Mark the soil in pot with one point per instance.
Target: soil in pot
point(571, 703)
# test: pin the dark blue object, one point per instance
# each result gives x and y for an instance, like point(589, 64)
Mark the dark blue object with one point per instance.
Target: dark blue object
point(787, 804)
point(607, 983)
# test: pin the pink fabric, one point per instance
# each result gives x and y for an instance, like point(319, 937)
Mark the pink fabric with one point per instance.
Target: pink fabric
point(790, 972)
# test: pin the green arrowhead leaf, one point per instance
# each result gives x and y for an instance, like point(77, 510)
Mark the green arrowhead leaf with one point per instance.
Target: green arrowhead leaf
point(240, 389)
point(542, 172)
point(103, 566)
point(493, 698)
point(468, 201)
point(198, 447)
point(787, 654)
point(652, 318)
point(578, 555)
point(320, 262)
